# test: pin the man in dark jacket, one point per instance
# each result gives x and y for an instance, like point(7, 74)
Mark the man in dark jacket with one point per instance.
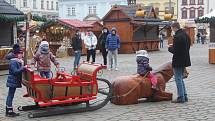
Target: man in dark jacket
point(103, 38)
point(112, 45)
point(77, 47)
point(181, 59)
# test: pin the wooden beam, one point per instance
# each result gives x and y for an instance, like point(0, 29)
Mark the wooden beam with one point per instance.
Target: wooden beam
point(137, 28)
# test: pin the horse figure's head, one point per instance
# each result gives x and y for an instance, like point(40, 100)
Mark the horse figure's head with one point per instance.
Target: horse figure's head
point(167, 71)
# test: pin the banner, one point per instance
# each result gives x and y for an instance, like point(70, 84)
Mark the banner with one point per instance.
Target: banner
point(212, 46)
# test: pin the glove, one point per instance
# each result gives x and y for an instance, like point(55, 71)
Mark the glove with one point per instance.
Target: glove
point(23, 68)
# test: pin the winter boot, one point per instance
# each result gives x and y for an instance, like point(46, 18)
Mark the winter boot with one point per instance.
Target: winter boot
point(10, 113)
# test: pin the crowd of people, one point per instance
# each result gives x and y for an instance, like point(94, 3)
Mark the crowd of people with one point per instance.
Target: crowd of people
point(109, 44)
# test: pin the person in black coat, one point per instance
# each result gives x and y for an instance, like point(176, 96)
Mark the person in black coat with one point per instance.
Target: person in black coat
point(181, 59)
point(77, 47)
point(102, 39)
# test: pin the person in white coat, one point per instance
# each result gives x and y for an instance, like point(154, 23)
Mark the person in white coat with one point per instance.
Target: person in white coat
point(90, 42)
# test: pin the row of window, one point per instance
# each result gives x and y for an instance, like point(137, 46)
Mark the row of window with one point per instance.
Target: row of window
point(72, 11)
point(192, 13)
point(47, 5)
point(166, 10)
point(193, 2)
point(25, 4)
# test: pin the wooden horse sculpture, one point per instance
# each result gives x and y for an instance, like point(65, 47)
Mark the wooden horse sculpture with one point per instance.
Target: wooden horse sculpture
point(128, 89)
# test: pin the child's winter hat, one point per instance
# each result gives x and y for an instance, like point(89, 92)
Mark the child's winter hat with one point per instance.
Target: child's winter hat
point(44, 43)
point(16, 46)
point(17, 49)
point(142, 53)
point(113, 29)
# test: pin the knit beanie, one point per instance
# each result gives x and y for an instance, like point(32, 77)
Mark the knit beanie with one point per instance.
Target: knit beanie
point(16, 48)
point(142, 53)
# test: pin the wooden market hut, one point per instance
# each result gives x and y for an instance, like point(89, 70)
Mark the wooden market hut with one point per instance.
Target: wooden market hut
point(9, 16)
point(209, 18)
point(62, 30)
point(138, 27)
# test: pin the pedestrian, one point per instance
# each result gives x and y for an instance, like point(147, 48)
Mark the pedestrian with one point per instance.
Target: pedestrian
point(161, 39)
point(77, 47)
point(203, 38)
point(43, 57)
point(112, 45)
point(102, 39)
point(14, 80)
point(21, 41)
point(181, 59)
point(90, 42)
point(198, 37)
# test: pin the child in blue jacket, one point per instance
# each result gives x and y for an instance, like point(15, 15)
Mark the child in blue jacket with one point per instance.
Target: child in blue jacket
point(14, 80)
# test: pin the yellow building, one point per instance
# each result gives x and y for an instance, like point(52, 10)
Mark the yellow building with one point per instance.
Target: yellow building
point(161, 5)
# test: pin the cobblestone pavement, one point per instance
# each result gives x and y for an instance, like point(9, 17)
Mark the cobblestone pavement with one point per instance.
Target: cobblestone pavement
point(200, 87)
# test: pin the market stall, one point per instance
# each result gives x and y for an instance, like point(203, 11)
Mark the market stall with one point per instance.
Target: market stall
point(9, 16)
point(138, 27)
point(210, 18)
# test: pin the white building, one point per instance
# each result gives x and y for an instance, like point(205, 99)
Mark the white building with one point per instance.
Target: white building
point(86, 9)
point(46, 8)
point(188, 10)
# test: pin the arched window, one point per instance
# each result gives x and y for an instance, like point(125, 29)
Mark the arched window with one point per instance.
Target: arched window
point(184, 13)
point(192, 13)
point(200, 12)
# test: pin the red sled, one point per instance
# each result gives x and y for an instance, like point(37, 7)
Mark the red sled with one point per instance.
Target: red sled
point(66, 93)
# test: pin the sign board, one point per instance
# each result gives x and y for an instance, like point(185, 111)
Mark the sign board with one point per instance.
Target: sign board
point(212, 46)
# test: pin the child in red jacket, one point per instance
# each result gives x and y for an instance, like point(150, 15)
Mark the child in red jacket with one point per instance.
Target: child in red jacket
point(44, 57)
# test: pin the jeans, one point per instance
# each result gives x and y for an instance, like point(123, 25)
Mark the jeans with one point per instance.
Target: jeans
point(161, 43)
point(10, 96)
point(178, 73)
point(112, 57)
point(77, 58)
point(45, 74)
point(92, 53)
point(104, 54)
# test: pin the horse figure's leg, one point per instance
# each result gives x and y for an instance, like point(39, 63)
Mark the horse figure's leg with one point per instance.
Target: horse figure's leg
point(161, 95)
point(121, 91)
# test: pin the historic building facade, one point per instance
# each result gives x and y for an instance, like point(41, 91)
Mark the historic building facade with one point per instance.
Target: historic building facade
point(45, 8)
point(86, 9)
point(161, 6)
